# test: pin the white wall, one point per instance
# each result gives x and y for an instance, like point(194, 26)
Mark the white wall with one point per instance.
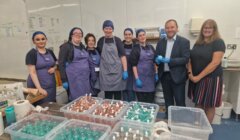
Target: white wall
point(90, 14)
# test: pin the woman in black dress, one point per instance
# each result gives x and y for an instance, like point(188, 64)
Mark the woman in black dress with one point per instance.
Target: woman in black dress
point(205, 71)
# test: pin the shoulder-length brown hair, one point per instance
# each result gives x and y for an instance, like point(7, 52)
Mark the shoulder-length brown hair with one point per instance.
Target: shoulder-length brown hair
point(212, 23)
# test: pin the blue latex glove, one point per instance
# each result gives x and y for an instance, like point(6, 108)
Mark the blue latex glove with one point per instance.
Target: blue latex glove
point(156, 77)
point(65, 85)
point(125, 75)
point(158, 59)
point(138, 83)
point(166, 60)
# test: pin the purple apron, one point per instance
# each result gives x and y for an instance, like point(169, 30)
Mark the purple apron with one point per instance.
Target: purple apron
point(110, 75)
point(94, 66)
point(78, 73)
point(46, 80)
point(130, 79)
point(146, 71)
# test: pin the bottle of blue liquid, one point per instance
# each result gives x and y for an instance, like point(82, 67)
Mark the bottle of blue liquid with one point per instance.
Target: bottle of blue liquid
point(162, 33)
point(10, 115)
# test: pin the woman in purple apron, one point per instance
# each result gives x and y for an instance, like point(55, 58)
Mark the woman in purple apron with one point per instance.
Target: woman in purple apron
point(128, 93)
point(41, 64)
point(94, 60)
point(142, 59)
point(74, 65)
point(113, 67)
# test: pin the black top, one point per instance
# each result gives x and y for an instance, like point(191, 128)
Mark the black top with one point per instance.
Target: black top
point(31, 57)
point(201, 56)
point(66, 54)
point(93, 52)
point(128, 46)
point(120, 48)
point(135, 54)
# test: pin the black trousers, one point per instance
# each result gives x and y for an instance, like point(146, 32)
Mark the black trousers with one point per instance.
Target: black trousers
point(113, 95)
point(147, 97)
point(172, 92)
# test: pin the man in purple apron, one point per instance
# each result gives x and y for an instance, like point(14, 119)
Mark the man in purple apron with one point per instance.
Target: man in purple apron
point(142, 59)
point(74, 65)
point(43, 62)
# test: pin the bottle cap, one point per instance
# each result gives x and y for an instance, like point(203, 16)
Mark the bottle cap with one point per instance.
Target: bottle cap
point(9, 109)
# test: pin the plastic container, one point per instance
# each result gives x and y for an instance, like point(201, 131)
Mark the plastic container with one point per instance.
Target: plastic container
point(145, 105)
point(17, 131)
point(131, 128)
point(81, 129)
point(10, 115)
point(187, 121)
point(111, 121)
point(175, 137)
point(61, 96)
point(218, 115)
point(227, 109)
point(79, 115)
point(159, 99)
point(1, 124)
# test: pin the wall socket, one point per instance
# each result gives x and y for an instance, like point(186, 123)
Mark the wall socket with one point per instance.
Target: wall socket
point(232, 46)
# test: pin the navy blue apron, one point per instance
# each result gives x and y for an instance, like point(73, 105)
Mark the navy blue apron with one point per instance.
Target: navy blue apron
point(146, 71)
point(46, 80)
point(78, 73)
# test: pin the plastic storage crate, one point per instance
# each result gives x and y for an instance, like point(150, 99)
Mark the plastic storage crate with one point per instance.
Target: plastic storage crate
point(187, 121)
point(174, 137)
point(77, 129)
point(79, 115)
point(111, 121)
point(45, 123)
point(131, 130)
point(155, 107)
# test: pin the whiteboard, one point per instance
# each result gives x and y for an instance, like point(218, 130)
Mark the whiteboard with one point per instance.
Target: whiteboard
point(14, 39)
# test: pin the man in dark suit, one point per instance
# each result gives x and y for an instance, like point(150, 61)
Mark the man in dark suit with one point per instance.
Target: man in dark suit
point(172, 56)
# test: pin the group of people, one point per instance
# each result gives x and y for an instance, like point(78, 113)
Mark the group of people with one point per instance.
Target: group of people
point(130, 69)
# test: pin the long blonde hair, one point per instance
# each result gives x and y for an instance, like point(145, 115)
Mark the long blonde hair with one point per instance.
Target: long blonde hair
point(212, 23)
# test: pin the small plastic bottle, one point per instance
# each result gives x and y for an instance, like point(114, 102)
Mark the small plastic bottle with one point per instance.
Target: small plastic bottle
point(10, 115)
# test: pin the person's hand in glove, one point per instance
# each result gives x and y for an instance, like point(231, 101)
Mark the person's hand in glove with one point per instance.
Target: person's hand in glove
point(166, 60)
point(158, 59)
point(65, 85)
point(125, 75)
point(156, 77)
point(138, 83)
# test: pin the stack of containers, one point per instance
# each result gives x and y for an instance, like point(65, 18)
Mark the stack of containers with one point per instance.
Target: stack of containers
point(73, 111)
point(190, 122)
point(80, 130)
point(111, 112)
point(34, 127)
point(141, 113)
point(129, 130)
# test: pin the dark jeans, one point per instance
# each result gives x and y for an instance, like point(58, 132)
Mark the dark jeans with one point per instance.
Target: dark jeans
point(172, 91)
point(147, 97)
point(128, 95)
point(113, 94)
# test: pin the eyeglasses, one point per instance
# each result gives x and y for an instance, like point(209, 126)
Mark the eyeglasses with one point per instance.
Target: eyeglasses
point(207, 28)
point(40, 39)
point(77, 34)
